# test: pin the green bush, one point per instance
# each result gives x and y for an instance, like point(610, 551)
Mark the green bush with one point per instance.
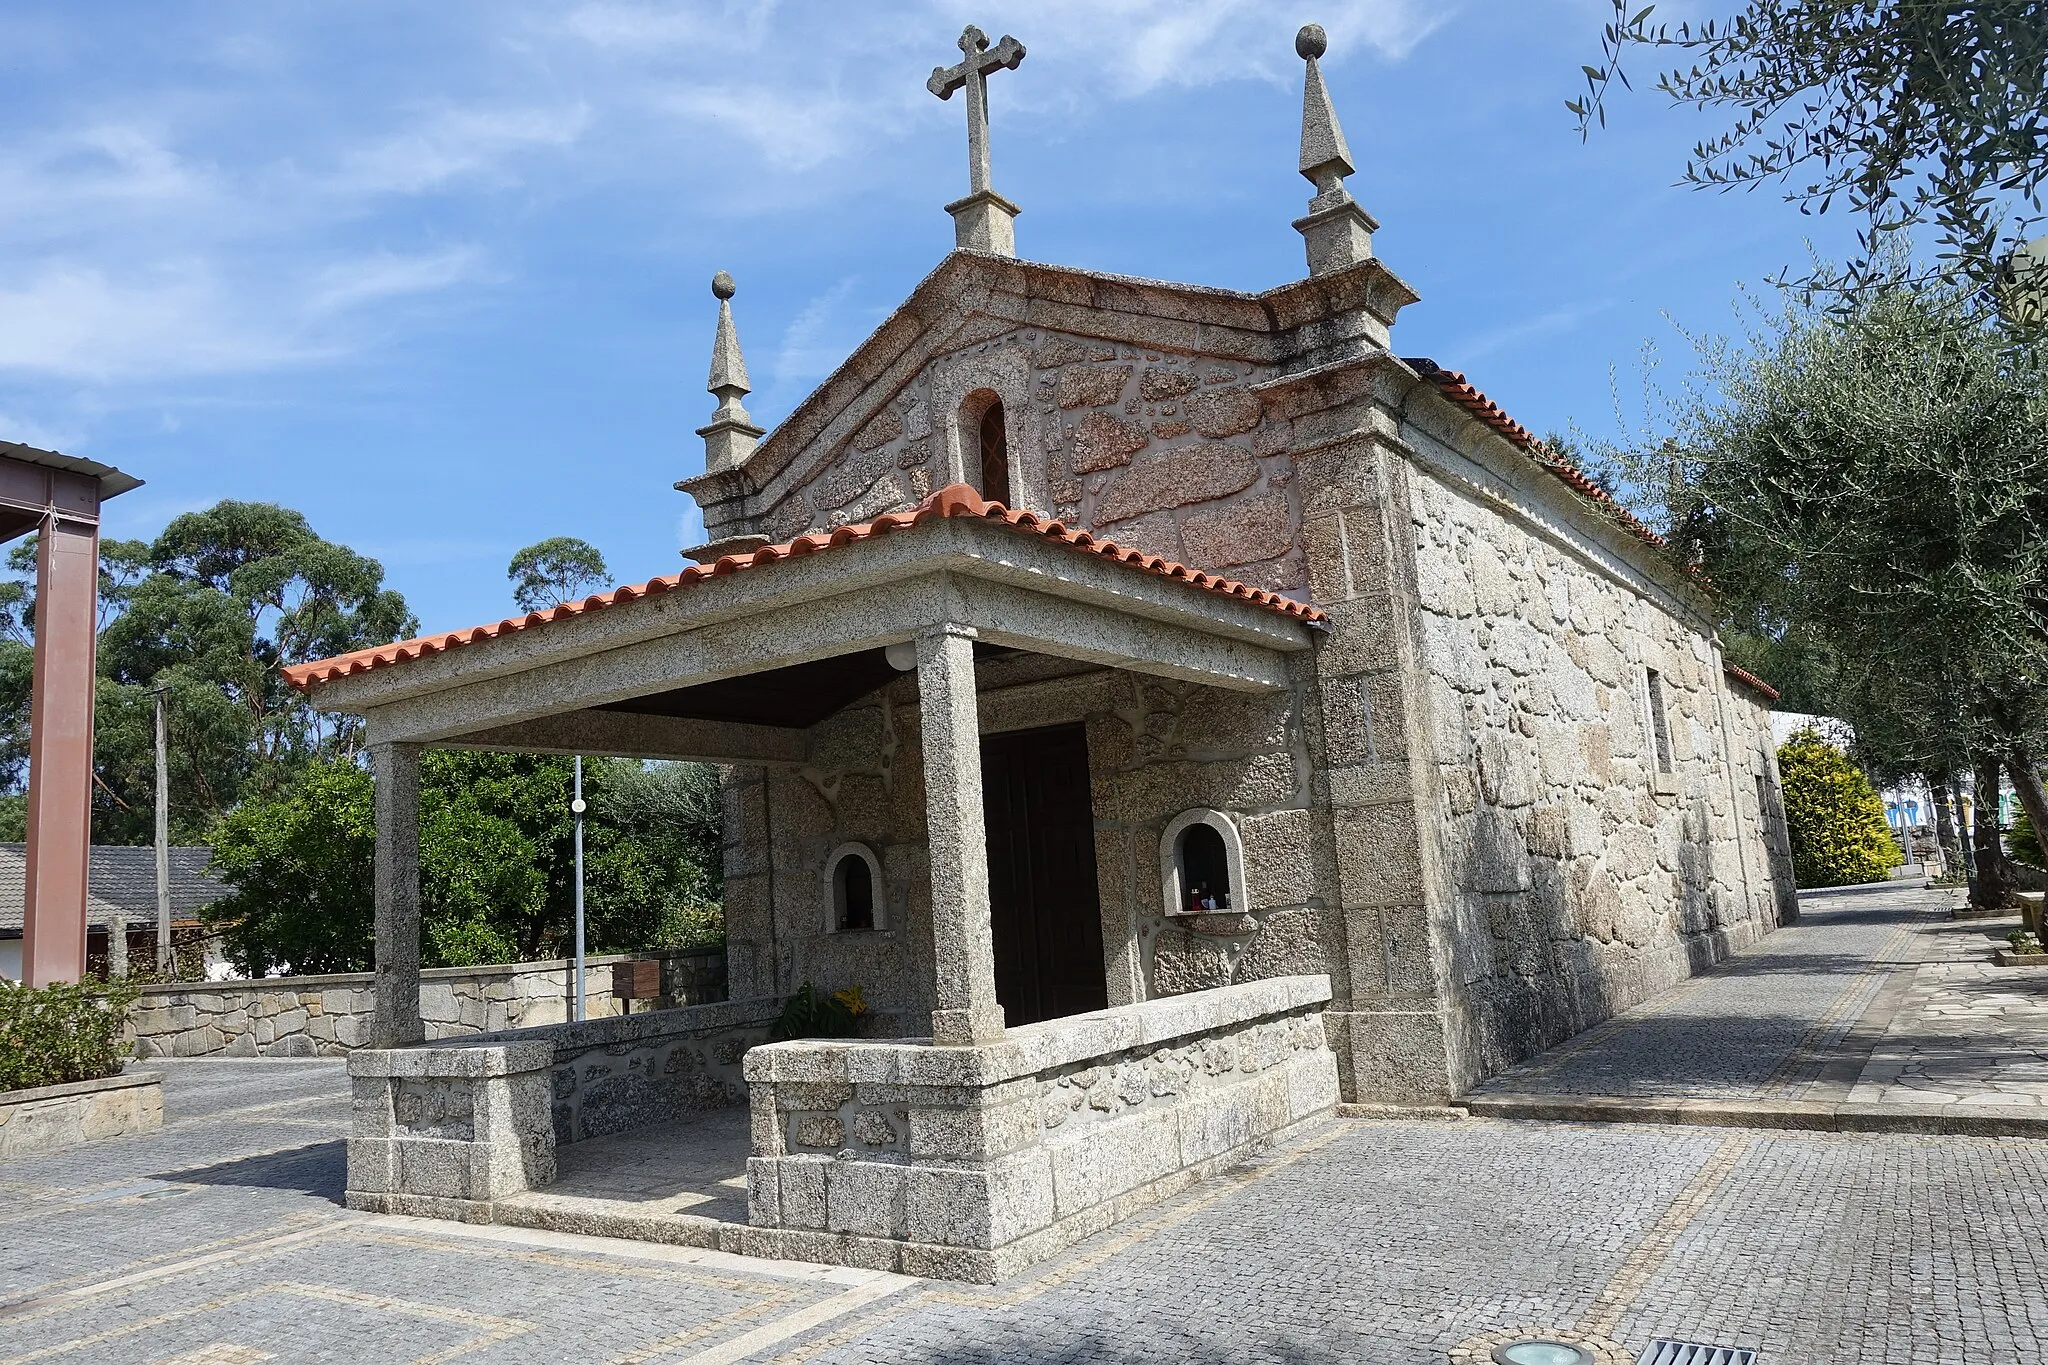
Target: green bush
point(2023, 843)
point(50, 1035)
point(1837, 824)
point(811, 1015)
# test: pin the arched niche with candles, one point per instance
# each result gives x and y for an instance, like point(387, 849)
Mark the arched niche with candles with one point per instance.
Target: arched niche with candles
point(854, 903)
point(1201, 865)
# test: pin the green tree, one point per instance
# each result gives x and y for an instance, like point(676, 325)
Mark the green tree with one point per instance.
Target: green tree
point(496, 862)
point(556, 570)
point(1906, 111)
point(1869, 490)
point(302, 862)
point(1835, 817)
point(210, 610)
point(2024, 843)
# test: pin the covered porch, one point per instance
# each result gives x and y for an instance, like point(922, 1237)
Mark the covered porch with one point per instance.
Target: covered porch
point(854, 685)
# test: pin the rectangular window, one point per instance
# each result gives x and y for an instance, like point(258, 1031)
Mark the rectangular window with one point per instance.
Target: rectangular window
point(1660, 727)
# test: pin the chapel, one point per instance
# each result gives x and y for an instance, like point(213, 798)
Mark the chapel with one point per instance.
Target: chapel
point(1179, 714)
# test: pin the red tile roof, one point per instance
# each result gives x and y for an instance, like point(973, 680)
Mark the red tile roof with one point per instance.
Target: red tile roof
point(1460, 391)
point(1751, 680)
point(955, 500)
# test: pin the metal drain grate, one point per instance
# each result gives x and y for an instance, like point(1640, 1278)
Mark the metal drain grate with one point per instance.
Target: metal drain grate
point(1666, 1352)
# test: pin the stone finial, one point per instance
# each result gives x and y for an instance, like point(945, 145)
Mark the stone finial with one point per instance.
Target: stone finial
point(984, 220)
point(1338, 232)
point(731, 435)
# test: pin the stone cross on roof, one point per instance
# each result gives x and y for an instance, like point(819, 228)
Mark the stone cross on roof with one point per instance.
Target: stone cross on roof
point(984, 220)
point(1337, 230)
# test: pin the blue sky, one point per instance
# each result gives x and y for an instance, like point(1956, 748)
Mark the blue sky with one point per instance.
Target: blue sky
point(436, 274)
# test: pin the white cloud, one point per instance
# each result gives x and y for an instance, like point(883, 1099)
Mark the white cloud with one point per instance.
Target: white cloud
point(819, 337)
point(455, 143)
point(170, 225)
point(386, 275)
point(1510, 334)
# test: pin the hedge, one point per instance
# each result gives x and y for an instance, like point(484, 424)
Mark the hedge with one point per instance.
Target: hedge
point(1836, 820)
point(50, 1035)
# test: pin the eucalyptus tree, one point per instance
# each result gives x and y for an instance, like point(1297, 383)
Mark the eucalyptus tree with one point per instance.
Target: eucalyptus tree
point(551, 572)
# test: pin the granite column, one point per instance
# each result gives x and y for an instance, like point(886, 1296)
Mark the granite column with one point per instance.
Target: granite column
point(964, 1006)
point(397, 1019)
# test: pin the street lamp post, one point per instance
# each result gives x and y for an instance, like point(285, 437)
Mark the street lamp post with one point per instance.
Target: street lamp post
point(576, 807)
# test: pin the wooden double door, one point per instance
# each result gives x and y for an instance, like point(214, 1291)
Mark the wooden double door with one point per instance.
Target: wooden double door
point(1043, 900)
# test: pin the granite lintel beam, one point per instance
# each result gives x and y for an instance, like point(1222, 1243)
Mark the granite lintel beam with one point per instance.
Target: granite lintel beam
point(863, 581)
point(622, 734)
point(878, 615)
point(1005, 614)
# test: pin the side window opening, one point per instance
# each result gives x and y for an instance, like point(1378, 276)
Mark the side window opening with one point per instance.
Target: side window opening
point(1660, 724)
point(1204, 869)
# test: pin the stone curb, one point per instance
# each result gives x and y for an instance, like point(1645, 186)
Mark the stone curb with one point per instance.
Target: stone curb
point(120, 1080)
point(1427, 1113)
point(1795, 1115)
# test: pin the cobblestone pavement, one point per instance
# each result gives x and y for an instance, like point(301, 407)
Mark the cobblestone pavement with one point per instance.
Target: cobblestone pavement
point(1877, 998)
point(1967, 1031)
point(218, 1242)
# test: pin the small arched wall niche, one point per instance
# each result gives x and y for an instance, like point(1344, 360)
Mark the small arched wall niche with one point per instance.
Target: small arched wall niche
point(985, 446)
point(1201, 865)
point(854, 903)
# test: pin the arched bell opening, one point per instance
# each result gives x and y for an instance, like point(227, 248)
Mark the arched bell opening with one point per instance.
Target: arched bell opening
point(985, 439)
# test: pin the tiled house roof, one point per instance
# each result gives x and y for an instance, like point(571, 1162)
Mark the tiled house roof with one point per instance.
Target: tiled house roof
point(954, 500)
point(1751, 681)
point(121, 880)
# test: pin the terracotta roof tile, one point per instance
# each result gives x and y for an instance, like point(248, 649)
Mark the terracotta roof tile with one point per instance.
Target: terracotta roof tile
point(955, 500)
point(1460, 391)
point(1750, 680)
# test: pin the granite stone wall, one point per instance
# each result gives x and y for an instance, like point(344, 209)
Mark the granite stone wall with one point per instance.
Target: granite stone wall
point(444, 1130)
point(1165, 451)
point(1583, 878)
point(309, 1016)
point(1156, 749)
point(971, 1162)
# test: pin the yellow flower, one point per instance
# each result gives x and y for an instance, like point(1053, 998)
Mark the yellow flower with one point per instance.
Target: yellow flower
point(850, 997)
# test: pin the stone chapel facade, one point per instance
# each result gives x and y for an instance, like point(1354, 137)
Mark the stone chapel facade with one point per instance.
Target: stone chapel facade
point(1512, 790)
point(1179, 715)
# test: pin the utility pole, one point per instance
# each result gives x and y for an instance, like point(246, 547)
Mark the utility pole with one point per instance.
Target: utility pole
point(576, 808)
point(163, 839)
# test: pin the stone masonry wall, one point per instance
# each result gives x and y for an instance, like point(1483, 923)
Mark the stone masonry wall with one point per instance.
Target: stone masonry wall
point(307, 1016)
point(971, 1162)
point(1163, 451)
point(1581, 880)
point(1156, 749)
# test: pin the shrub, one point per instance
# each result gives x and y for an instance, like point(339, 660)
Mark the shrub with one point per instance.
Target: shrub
point(1837, 824)
point(2023, 843)
point(53, 1034)
point(811, 1015)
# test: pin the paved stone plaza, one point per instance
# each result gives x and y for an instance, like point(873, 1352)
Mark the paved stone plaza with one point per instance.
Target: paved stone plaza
point(1871, 999)
point(220, 1239)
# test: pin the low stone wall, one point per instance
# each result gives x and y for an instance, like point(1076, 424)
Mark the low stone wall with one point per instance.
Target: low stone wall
point(970, 1163)
point(307, 1016)
point(443, 1131)
point(53, 1116)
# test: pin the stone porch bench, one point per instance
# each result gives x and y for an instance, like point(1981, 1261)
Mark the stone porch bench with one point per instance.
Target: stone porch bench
point(970, 1163)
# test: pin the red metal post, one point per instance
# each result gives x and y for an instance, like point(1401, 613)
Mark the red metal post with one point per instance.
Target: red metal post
point(60, 750)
